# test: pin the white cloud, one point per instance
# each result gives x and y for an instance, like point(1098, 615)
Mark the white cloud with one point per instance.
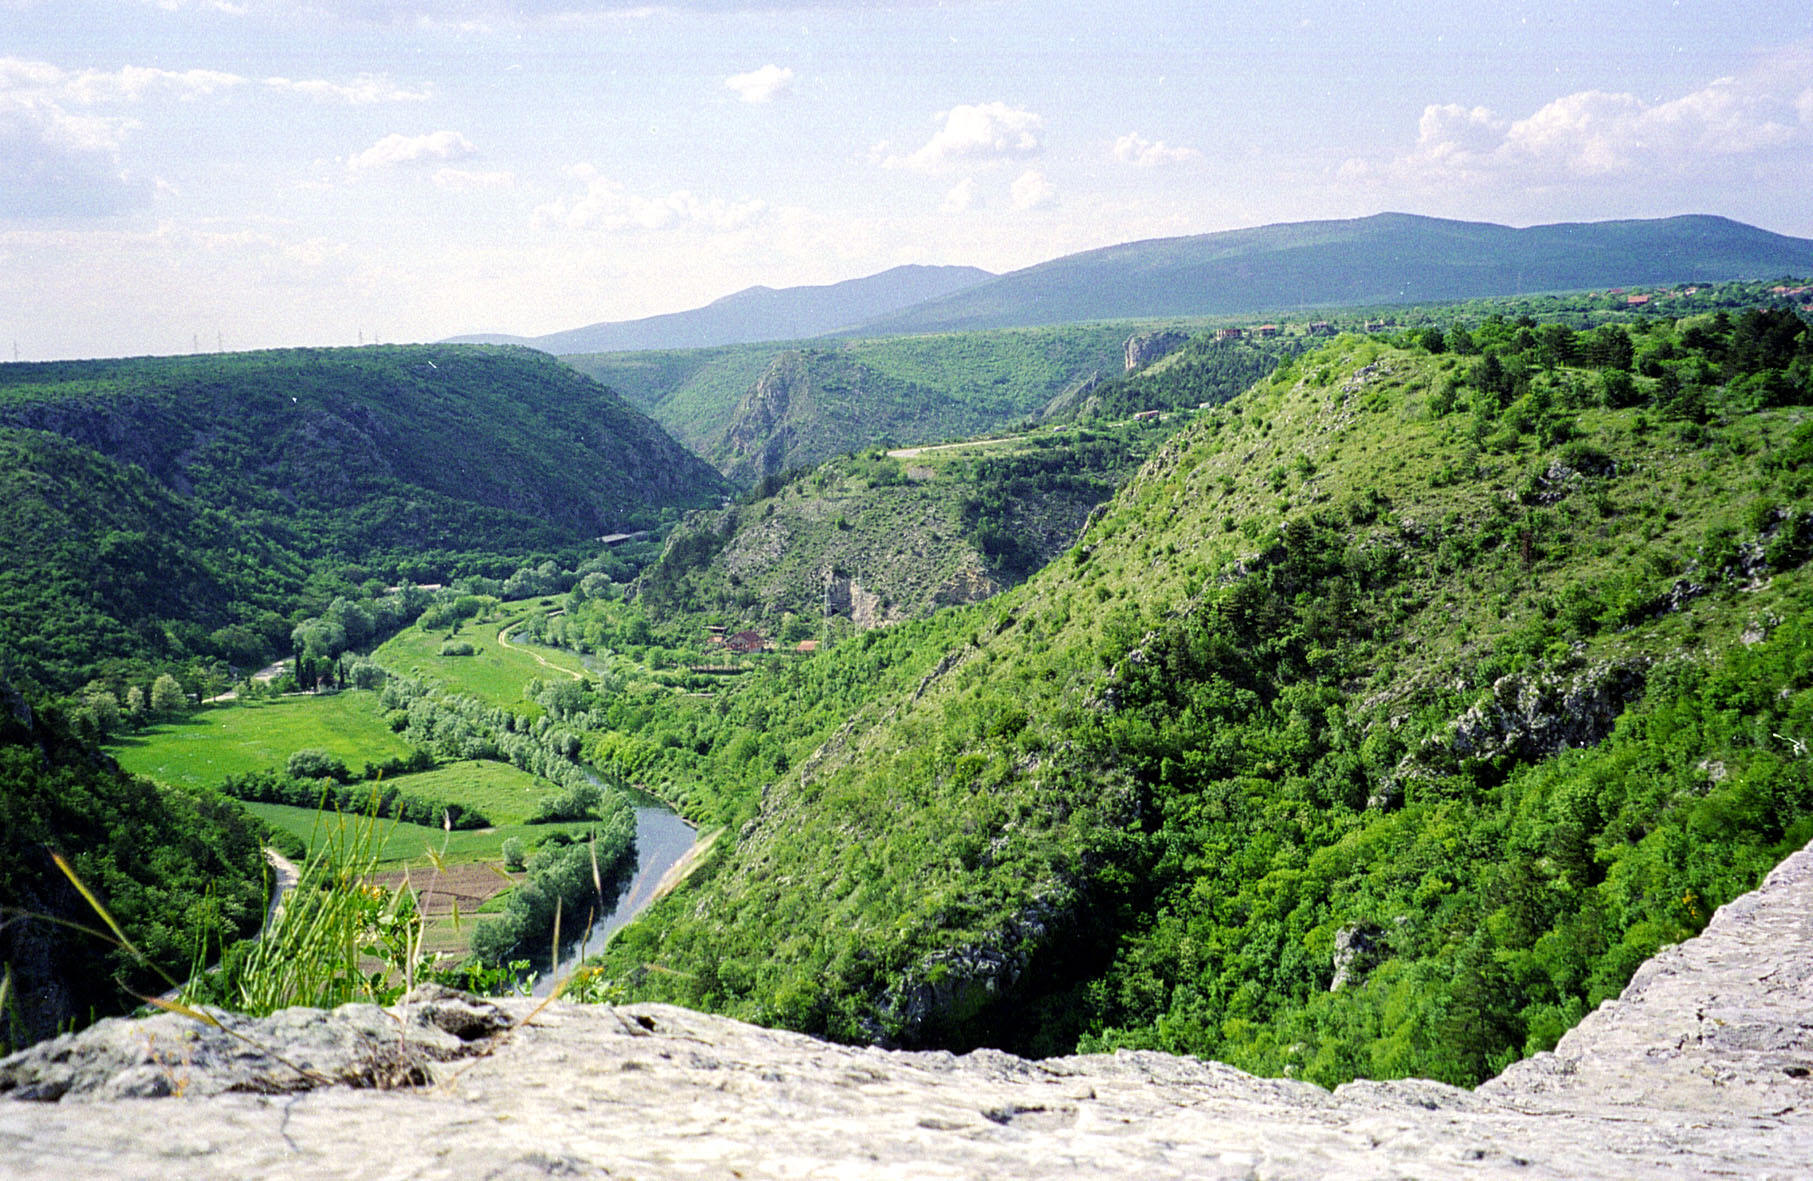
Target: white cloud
point(135, 84)
point(763, 85)
point(462, 180)
point(54, 164)
point(1141, 152)
point(1593, 134)
point(1032, 191)
point(364, 90)
point(397, 149)
point(138, 83)
point(984, 133)
point(129, 84)
point(608, 205)
point(961, 197)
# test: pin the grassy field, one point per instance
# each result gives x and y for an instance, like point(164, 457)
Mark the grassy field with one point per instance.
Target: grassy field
point(205, 747)
point(504, 794)
point(410, 844)
point(495, 673)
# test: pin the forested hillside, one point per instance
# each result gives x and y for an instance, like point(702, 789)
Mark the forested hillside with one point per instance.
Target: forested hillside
point(160, 511)
point(1394, 713)
point(357, 452)
point(180, 871)
point(100, 563)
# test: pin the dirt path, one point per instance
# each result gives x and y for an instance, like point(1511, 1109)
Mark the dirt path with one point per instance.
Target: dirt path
point(267, 674)
point(287, 875)
point(503, 638)
point(913, 452)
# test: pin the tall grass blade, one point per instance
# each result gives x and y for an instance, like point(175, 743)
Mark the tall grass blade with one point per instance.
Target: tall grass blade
point(119, 938)
point(95, 905)
point(557, 902)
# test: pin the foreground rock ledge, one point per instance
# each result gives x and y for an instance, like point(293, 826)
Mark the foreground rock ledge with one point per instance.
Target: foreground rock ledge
point(1703, 1067)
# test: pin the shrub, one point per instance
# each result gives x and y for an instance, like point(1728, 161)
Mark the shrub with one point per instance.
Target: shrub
point(309, 763)
point(578, 802)
point(458, 648)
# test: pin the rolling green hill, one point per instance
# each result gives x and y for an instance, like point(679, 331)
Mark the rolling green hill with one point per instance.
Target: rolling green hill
point(1384, 259)
point(1381, 726)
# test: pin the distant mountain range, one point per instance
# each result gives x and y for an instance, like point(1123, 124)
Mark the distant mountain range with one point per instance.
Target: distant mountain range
point(760, 313)
point(1383, 259)
point(1388, 258)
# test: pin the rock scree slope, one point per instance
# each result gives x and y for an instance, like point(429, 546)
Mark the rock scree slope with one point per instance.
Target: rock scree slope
point(1704, 1066)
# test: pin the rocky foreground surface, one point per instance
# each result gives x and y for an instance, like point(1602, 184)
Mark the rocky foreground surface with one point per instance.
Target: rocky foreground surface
point(1704, 1067)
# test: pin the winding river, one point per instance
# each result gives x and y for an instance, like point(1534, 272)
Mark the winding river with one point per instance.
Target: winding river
point(662, 839)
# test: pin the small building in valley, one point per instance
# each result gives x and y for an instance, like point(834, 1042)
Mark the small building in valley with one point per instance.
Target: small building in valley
point(746, 642)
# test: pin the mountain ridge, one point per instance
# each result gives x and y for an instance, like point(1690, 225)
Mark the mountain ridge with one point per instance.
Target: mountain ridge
point(757, 313)
point(1344, 262)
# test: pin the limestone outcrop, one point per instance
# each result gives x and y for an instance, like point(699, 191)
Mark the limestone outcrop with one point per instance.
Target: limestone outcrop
point(1704, 1066)
point(1144, 348)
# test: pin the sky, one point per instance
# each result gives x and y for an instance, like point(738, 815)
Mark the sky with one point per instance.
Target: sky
point(193, 175)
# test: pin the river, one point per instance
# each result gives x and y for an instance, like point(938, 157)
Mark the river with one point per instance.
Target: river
point(662, 838)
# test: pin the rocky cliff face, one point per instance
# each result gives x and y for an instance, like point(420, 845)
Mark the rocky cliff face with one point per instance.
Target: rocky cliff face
point(1704, 1066)
point(1147, 347)
point(760, 438)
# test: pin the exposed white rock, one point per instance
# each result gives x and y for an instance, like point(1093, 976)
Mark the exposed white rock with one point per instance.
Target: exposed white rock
point(1703, 1067)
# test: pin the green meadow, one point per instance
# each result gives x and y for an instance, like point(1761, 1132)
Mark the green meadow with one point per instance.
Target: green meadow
point(205, 747)
point(415, 844)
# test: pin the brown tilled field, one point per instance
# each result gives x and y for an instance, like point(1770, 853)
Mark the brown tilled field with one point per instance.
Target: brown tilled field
point(468, 884)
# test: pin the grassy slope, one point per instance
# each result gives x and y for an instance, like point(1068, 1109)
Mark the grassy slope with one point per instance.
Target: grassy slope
point(1009, 832)
point(957, 384)
point(913, 532)
point(495, 673)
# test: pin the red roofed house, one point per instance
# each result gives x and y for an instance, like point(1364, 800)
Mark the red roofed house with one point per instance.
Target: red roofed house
point(746, 642)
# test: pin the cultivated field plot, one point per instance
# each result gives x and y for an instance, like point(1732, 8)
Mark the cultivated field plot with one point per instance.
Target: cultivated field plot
point(450, 899)
point(205, 747)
